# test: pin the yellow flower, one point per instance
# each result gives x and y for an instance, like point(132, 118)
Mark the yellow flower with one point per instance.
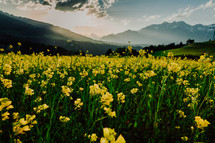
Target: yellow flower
point(26, 128)
point(130, 48)
point(185, 138)
point(7, 83)
point(64, 119)
point(170, 54)
point(181, 113)
point(29, 91)
point(110, 112)
point(93, 137)
point(9, 107)
point(78, 103)
point(109, 134)
point(22, 121)
point(121, 97)
point(104, 140)
point(40, 108)
point(19, 44)
point(5, 114)
point(7, 69)
point(17, 141)
point(127, 79)
point(38, 99)
point(107, 98)
point(15, 115)
point(134, 90)
point(5, 118)
point(200, 123)
point(81, 89)
point(66, 90)
point(120, 139)
point(10, 47)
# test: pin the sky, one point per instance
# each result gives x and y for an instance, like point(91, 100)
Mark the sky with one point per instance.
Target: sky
point(103, 17)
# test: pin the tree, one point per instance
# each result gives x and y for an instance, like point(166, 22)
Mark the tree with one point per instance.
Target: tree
point(190, 41)
point(109, 51)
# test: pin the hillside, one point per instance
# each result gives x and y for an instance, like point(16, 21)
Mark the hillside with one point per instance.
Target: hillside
point(164, 33)
point(20, 29)
point(195, 49)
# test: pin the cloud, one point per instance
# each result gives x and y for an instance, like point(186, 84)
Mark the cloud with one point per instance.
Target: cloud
point(125, 22)
point(32, 6)
point(148, 18)
point(3, 1)
point(92, 7)
point(187, 12)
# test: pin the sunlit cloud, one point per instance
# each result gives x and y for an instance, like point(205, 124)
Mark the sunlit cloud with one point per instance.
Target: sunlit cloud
point(187, 12)
point(148, 18)
point(97, 8)
point(125, 22)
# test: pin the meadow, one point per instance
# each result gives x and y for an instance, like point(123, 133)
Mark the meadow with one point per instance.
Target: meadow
point(106, 99)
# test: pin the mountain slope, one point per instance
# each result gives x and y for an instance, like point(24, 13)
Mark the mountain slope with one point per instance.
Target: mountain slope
point(164, 33)
point(20, 29)
point(196, 49)
point(26, 28)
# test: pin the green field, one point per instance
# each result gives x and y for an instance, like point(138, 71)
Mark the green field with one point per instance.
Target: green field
point(196, 49)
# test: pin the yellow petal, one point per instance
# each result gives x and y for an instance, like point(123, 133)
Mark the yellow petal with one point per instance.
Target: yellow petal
point(120, 139)
point(103, 140)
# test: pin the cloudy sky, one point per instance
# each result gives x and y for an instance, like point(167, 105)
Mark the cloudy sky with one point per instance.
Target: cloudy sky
point(103, 17)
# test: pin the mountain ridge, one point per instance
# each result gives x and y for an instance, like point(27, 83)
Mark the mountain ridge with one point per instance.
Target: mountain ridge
point(20, 29)
point(164, 33)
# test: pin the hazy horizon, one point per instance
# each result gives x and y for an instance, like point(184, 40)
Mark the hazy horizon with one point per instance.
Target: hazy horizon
point(103, 17)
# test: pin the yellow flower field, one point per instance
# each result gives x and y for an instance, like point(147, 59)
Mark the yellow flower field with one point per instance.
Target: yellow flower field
point(106, 99)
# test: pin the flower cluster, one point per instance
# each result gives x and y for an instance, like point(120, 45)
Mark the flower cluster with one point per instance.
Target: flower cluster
point(134, 90)
point(181, 114)
point(110, 136)
point(93, 137)
point(29, 91)
point(5, 105)
point(200, 123)
point(40, 108)
point(121, 97)
point(7, 69)
point(66, 91)
point(78, 104)
point(97, 90)
point(64, 119)
point(20, 126)
point(7, 83)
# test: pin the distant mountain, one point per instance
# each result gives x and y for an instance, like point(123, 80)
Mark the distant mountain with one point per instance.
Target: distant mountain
point(164, 33)
point(23, 29)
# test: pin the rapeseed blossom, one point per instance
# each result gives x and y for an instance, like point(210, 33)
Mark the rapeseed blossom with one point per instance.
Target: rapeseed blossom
point(110, 136)
point(200, 123)
point(7, 69)
point(64, 119)
point(121, 97)
point(181, 114)
point(5, 105)
point(184, 138)
point(66, 90)
point(29, 91)
point(40, 108)
point(93, 137)
point(134, 90)
point(78, 104)
point(7, 83)
point(20, 126)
